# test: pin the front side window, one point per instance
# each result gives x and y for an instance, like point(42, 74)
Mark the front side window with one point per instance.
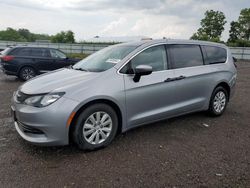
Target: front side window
point(104, 59)
point(185, 56)
point(215, 55)
point(57, 54)
point(155, 57)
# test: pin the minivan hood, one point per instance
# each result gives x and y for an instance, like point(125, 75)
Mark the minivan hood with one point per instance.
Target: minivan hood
point(56, 80)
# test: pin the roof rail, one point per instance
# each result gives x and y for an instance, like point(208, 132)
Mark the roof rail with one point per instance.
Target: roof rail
point(147, 38)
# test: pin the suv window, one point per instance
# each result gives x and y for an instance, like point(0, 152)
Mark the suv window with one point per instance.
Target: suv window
point(155, 57)
point(215, 54)
point(39, 52)
point(185, 55)
point(57, 54)
point(21, 51)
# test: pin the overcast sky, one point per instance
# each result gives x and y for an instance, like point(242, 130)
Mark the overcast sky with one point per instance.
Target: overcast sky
point(88, 18)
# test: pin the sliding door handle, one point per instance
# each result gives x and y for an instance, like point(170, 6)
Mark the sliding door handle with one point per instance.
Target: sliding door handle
point(170, 80)
point(174, 79)
point(180, 78)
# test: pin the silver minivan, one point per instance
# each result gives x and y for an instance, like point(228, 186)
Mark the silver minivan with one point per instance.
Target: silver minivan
point(121, 87)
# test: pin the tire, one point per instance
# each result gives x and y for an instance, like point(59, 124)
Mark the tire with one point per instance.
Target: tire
point(27, 73)
point(218, 101)
point(88, 128)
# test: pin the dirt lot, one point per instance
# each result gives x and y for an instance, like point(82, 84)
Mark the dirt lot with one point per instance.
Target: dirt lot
point(180, 152)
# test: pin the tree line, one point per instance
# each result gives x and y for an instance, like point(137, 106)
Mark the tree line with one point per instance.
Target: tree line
point(24, 35)
point(212, 26)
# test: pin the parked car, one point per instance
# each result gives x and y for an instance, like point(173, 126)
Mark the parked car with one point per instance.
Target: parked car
point(27, 62)
point(122, 87)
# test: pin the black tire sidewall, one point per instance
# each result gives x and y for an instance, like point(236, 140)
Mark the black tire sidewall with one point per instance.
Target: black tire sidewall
point(21, 72)
point(211, 106)
point(77, 133)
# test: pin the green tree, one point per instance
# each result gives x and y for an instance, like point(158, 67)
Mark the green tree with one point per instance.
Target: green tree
point(21, 35)
point(244, 21)
point(26, 34)
point(234, 32)
point(239, 34)
point(64, 37)
point(11, 35)
point(212, 26)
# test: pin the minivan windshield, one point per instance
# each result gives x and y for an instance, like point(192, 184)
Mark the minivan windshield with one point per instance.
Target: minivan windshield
point(104, 59)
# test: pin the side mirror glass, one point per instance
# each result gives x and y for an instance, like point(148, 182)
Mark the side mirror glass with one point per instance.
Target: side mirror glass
point(142, 70)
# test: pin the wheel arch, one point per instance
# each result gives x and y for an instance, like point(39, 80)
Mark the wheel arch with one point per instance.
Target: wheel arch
point(81, 108)
point(26, 65)
point(226, 86)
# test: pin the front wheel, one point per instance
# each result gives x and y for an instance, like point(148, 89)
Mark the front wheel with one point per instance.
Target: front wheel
point(95, 127)
point(27, 73)
point(218, 101)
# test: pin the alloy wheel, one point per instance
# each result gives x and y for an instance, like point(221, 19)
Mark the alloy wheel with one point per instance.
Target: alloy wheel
point(97, 127)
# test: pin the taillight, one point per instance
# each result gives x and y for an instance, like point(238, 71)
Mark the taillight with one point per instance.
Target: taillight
point(7, 58)
point(235, 65)
point(235, 60)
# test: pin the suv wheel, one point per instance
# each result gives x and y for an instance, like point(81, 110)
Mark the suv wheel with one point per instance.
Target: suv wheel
point(218, 101)
point(96, 127)
point(27, 73)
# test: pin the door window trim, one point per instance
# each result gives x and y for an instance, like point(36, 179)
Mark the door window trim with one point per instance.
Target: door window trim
point(171, 60)
point(203, 47)
point(137, 53)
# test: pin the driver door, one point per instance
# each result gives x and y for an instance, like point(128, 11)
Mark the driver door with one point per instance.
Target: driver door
point(153, 97)
point(59, 59)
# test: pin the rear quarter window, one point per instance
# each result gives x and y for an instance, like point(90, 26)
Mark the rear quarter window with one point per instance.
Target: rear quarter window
point(214, 55)
point(21, 52)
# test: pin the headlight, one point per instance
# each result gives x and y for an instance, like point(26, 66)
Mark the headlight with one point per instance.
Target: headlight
point(43, 100)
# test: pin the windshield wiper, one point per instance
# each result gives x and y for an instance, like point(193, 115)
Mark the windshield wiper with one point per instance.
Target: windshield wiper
point(81, 69)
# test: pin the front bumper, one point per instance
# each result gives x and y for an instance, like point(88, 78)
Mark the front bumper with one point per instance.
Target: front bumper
point(44, 126)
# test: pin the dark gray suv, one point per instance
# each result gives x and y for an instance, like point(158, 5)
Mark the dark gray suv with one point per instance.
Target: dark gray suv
point(27, 62)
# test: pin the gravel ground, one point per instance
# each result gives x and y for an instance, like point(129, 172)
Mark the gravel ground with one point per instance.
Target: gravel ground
point(189, 151)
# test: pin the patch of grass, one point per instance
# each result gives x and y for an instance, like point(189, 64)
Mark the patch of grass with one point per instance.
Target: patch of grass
point(77, 56)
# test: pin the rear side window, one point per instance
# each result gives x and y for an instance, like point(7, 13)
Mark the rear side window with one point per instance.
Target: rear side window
point(22, 52)
point(185, 56)
point(39, 52)
point(214, 55)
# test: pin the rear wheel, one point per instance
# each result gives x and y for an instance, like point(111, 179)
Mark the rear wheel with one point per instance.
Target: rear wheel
point(27, 73)
point(218, 101)
point(95, 127)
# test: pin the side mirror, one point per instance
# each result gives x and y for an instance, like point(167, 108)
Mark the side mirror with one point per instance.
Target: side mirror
point(234, 59)
point(142, 70)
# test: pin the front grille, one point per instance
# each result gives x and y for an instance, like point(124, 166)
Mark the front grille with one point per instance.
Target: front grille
point(20, 97)
point(28, 129)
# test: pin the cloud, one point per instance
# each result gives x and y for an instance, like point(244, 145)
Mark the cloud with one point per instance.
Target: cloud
point(115, 27)
point(88, 18)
